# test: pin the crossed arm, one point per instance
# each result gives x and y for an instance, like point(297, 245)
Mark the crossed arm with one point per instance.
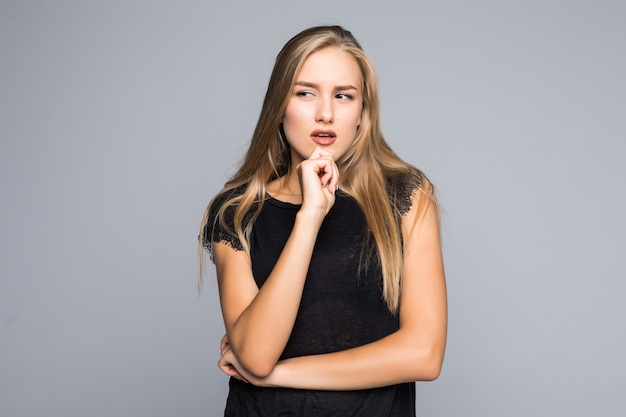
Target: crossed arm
point(259, 321)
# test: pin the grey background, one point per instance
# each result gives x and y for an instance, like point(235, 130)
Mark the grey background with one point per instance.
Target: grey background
point(119, 120)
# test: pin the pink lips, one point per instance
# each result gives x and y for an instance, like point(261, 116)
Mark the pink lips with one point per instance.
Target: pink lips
point(324, 137)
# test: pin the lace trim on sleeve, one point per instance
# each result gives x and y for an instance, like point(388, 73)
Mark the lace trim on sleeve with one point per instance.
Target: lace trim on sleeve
point(215, 232)
point(401, 189)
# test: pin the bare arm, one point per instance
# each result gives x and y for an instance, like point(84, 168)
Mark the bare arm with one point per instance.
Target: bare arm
point(414, 352)
point(259, 321)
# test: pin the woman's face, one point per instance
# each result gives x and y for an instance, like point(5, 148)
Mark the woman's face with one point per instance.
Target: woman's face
point(325, 105)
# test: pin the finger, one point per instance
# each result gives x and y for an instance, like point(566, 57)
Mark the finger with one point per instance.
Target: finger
point(319, 153)
point(242, 379)
point(320, 167)
point(229, 370)
point(227, 367)
point(224, 342)
point(326, 174)
point(332, 181)
point(324, 168)
point(232, 371)
point(333, 184)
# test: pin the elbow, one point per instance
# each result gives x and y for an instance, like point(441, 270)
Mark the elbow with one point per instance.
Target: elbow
point(256, 359)
point(259, 370)
point(432, 364)
point(258, 365)
point(431, 372)
point(427, 364)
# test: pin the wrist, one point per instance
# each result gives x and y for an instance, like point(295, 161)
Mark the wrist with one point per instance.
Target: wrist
point(310, 217)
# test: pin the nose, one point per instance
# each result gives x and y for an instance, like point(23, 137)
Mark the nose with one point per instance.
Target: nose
point(325, 112)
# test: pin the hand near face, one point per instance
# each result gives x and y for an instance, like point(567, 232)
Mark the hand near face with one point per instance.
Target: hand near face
point(319, 179)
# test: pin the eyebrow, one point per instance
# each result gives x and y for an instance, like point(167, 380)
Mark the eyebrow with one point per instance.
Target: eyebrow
point(314, 85)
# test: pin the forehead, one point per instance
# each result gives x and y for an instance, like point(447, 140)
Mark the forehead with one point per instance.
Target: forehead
point(331, 65)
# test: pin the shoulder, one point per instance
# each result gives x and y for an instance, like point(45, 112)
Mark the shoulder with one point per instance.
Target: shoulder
point(403, 188)
point(225, 197)
point(220, 220)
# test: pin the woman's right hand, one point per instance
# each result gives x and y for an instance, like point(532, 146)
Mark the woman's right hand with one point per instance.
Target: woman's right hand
point(319, 179)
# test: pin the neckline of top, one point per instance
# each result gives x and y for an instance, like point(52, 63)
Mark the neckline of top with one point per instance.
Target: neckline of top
point(273, 200)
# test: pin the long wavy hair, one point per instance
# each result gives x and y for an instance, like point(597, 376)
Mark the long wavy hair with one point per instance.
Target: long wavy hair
point(365, 169)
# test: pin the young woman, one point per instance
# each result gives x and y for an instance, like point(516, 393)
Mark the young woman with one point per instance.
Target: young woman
point(327, 249)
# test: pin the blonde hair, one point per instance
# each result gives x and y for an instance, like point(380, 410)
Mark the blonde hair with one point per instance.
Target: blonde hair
point(365, 168)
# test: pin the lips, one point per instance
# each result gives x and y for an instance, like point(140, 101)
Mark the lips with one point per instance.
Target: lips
point(324, 137)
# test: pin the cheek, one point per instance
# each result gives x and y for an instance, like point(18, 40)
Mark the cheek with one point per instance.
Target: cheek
point(355, 114)
point(294, 126)
point(294, 116)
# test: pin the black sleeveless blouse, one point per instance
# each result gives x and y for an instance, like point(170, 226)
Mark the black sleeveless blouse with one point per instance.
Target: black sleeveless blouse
point(341, 307)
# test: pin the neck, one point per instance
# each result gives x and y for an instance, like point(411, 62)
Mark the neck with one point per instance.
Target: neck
point(290, 184)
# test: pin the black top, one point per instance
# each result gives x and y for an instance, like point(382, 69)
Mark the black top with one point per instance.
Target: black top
point(341, 307)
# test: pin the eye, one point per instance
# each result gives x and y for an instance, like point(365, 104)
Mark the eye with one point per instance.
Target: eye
point(343, 96)
point(304, 93)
